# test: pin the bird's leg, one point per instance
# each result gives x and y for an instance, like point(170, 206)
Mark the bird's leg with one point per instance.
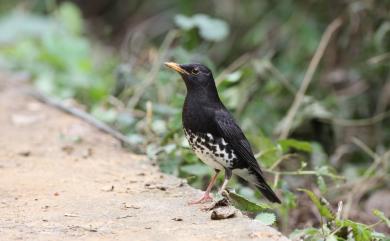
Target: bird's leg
point(206, 196)
point(228, 175)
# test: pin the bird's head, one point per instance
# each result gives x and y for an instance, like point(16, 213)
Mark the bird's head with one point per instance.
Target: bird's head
point(195, 76)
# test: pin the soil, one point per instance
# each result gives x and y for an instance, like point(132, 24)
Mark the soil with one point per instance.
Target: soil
point(61, 179)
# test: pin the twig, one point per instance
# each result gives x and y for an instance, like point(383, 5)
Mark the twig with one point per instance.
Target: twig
point(375, 224)
point(308, 172)
point(138, 92)
point(361, 122)
point(359, 189)
point(280, 76)
point(287, 122)
point(379, 58)
point(364, 147)
point(285, 157)
point(360, 186)
point(83, 116)
point(377, 159)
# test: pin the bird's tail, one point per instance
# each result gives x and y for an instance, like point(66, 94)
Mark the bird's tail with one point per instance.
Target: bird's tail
point(266, 190)
point(255, 176)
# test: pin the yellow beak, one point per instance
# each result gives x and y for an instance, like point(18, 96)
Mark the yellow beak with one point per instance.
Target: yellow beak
point(176, 67)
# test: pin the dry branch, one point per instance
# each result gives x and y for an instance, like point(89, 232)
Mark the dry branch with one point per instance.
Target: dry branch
point(85, 117)
point(287, 122)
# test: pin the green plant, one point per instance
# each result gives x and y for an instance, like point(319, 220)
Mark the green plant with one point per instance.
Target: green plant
point(334, 227)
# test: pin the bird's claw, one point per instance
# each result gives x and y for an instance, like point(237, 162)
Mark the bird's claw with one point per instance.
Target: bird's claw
point(204, 199)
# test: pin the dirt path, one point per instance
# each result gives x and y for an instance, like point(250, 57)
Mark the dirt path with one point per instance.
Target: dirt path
point(63, 180)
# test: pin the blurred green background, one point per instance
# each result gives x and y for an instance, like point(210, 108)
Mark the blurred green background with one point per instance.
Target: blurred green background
point(108, 56)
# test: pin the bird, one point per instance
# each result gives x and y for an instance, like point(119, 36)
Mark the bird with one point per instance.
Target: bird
point(214, 135)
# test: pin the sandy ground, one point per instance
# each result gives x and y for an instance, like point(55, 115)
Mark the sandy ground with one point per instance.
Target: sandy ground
point(60, 179)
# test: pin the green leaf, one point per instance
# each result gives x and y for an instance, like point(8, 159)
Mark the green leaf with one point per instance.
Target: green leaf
point(20, 25)
point(269, 152)
point(331, 237)
point(322, 208)
point(382, 216)
point(379, 236)
point(184, 22)
point(233, 77)
point(322, 184)
point(159, 126)
point(211, 29)
point(244, 204)
point(266, 218)
point(70, 16)
point(296, 144)
point(297, 234)
point(360, 231)
point(106, 115)
point(232, 97)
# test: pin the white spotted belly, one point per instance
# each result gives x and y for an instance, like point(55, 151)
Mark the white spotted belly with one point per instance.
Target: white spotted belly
point(210, 159)
point(212, 151)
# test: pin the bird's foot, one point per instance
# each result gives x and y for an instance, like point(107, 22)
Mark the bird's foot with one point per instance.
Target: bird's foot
point(205, 198)
point(224, 202)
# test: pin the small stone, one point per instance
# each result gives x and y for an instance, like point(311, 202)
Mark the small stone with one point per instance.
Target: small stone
point(162, 188)
point(223, 213)
point(25, 153)
point(108, 188)
point(68, 149)
point(87, 153)
point(125, 206)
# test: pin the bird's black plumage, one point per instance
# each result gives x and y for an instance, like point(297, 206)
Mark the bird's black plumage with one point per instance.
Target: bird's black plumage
point(213, 133)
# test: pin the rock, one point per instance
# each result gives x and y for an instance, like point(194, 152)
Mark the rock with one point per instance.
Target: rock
point(223, 213)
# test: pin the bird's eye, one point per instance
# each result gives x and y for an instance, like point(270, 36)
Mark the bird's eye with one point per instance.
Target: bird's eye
point(195, 71)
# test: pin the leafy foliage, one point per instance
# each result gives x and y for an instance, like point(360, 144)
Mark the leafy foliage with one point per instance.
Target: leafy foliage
point(382, 216)
point(210, 29)
point(335, 228)
point(53, 48)
point(323, 209)
point(266, 218)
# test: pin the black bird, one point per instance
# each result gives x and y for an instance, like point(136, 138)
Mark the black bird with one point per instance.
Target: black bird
point(213, 133)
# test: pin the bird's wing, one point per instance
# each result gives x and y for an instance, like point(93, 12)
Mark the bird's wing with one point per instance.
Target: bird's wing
point(232, 133)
